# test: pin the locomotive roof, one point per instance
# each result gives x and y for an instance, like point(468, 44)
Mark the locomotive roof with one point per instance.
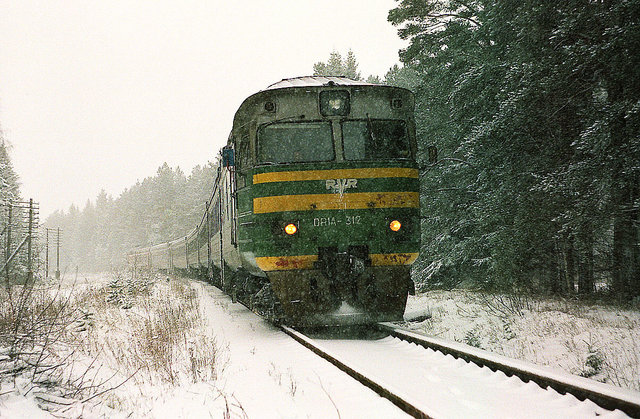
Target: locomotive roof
point(245, 112)
point(316, 81)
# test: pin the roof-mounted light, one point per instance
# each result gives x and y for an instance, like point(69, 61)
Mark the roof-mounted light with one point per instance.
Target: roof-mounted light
point(334, 103)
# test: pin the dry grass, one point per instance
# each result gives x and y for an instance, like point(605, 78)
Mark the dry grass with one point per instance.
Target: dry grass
point(38, 325)
point(286, 380)
point(159, 324)
point(32, 317)
point(70, 343)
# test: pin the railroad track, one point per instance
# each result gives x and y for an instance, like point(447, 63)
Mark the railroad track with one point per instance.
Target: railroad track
point(396, 396)
point(606, 396)
point(606, 400)
point(432, 378)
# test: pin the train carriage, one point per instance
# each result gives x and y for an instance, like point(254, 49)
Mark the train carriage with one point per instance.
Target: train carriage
point(315, 212)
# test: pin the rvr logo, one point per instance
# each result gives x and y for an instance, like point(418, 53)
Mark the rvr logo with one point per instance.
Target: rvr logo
point(340, 185)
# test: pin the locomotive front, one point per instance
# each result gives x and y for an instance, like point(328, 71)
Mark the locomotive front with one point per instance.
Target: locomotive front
point(327, 197)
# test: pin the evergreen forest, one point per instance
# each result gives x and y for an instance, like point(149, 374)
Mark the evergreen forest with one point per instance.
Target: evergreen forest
point(535, 109)
point(158, 209)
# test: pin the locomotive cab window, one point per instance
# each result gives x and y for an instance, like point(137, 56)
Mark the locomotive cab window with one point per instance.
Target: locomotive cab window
point(373, 139)
point(294, 142)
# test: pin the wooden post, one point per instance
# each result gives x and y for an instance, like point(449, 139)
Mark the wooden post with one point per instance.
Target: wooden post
point(207, 204)
point(58, 255)
point(46, 265)
point(220, 219)
point(8, 240)
point(29, 245)
point(186, 253)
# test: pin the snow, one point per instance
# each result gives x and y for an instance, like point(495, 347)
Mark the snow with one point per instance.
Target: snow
point(448, 387)
point(259, 372)
point(271, 375)
point(15, 405)
point(262, 373)
point(554, 333)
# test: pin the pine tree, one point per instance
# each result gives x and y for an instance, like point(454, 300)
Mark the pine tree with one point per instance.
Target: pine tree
point(351, 66)
point(9, 194)
point(338, 67)
point(9, 183)
point(403, 76)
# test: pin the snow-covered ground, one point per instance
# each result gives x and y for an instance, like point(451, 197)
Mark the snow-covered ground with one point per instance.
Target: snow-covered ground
point(259, 372)
point(594, 341)
point(445, 387)
point(179, 348)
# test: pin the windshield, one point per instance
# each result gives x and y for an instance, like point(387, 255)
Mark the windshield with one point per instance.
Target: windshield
point(292, 142)
point(375, 139)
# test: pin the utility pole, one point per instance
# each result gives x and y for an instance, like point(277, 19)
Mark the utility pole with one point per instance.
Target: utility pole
point(25, 219)
point(58, 255)
point(206, 204)
point(29, 270)
point(8, 240)
point(46, 265)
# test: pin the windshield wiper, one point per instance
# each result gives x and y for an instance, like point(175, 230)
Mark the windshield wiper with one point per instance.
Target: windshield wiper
point(284, 118)
point(370, 126)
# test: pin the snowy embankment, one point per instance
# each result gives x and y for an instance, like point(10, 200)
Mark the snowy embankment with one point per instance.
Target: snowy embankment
point(598, 342)
point(159, 347)
point(178, 348)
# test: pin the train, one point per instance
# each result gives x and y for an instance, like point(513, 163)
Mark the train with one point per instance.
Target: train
point(314, 217)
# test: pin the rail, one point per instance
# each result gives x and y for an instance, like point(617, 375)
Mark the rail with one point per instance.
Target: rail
point(412, 407)
point(606, 396)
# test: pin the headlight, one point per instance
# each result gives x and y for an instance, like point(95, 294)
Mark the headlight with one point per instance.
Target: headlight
point(395, 225)
point(290, 229)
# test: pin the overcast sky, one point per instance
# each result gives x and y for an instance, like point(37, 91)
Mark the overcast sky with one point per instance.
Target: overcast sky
point(97, 94)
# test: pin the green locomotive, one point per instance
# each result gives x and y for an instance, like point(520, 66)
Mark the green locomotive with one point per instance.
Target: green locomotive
point(314, 218)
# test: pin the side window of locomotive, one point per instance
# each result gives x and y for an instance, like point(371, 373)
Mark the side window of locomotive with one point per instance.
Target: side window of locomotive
point(375, 139)
point(293, 142)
